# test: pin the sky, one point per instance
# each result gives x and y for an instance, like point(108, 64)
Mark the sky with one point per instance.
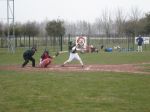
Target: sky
point(71, 10)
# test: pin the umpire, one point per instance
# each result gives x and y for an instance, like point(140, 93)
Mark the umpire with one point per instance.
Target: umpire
point(27, 55)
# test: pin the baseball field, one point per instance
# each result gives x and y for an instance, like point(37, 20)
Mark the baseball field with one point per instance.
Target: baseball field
point(109, 82)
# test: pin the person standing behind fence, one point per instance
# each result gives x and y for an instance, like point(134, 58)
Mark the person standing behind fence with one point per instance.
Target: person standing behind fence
point(140, 42)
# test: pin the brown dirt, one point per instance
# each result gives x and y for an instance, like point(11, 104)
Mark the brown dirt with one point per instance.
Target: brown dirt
point(130, 68)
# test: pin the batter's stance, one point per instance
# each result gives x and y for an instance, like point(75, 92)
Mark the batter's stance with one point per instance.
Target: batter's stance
point(73, 55)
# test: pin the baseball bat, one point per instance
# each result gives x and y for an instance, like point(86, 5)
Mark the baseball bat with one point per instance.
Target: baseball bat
point(61, 52)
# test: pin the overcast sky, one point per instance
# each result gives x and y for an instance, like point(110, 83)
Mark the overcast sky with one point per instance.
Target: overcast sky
point(72, 10)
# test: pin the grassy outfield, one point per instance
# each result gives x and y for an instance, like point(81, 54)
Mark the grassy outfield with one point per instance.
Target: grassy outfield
point(74, 92)
point(77, 91)
point(88, 58)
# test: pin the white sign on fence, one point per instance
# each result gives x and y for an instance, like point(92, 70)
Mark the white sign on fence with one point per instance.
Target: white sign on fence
point(81, 42)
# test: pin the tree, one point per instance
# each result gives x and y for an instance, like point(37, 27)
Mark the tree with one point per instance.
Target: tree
point(1, 29)
point(129, 28)
point(1, 33)
point(18, 33)
point(147, 25)
point(135, 17)
point(120, 22)
point(32, 30)
point(55, 29)
point(106, 23)
point(141, 26)
point(70, 28)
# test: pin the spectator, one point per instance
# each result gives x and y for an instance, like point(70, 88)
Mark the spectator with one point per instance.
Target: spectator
point(139, 42)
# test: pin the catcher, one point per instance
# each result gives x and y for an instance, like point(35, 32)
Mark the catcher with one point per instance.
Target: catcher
point(46, 59)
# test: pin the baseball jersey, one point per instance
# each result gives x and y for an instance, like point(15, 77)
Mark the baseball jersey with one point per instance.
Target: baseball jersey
point(140, 40)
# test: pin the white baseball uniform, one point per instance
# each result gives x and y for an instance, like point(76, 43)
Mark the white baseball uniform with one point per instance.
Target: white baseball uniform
point(73, 56)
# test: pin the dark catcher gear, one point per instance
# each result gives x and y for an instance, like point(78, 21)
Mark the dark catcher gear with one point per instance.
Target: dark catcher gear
point(27, 55)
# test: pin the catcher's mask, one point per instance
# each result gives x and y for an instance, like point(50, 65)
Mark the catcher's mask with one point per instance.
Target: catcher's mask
point(46, 52)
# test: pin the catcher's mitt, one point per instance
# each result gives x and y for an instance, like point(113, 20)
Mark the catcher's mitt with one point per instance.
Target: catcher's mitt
point(57, 53)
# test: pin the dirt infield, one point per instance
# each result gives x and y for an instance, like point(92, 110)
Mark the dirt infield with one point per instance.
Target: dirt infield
point(130, 68)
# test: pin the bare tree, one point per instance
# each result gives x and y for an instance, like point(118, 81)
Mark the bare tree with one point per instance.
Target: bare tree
point(82, 27)
point(107, 22)
point(120, 22)
point(71, 28)
point(98, 27)
point(134, 17)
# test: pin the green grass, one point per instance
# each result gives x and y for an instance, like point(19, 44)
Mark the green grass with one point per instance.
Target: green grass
point(74, 92)
point(77, 91)
point(88, 58)
point(146, 67)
